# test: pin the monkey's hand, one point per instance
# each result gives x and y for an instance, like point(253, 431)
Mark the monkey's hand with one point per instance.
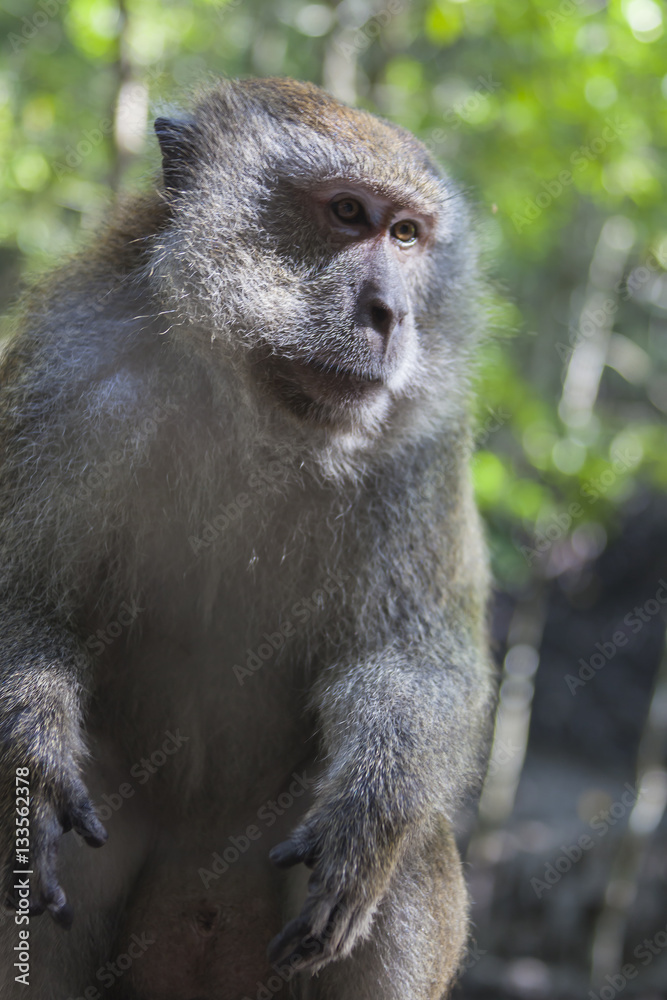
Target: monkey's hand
point(41, 797)
point(353, 846)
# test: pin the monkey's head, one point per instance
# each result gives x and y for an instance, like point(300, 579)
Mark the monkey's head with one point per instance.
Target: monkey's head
point(320, 248)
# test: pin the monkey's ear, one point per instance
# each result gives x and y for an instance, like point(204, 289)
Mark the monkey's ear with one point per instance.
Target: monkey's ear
point(178, 144)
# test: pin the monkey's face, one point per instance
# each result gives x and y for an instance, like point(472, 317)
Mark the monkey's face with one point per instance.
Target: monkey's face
point(358, 256)
point(322, 247)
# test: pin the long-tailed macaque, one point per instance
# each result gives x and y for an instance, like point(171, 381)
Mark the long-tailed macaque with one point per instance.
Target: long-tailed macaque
point(243, 584)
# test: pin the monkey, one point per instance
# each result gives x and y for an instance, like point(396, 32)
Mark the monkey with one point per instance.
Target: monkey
point(243, 641)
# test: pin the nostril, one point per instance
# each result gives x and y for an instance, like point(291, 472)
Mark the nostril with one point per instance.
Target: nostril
point(382, 319)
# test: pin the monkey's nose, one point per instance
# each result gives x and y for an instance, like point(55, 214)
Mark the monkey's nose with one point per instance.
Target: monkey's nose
point(383, 319)
point(380, 315)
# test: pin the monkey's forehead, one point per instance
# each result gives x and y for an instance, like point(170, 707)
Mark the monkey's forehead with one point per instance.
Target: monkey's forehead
point(329, 139)
point(308, 106)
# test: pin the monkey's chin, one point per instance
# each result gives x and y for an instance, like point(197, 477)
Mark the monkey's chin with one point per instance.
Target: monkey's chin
point(319, 393)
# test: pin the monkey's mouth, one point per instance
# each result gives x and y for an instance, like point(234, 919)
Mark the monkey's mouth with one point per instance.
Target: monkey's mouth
point(320, 389)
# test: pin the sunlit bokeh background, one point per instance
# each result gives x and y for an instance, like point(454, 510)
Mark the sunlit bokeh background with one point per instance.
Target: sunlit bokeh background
point(554, 118)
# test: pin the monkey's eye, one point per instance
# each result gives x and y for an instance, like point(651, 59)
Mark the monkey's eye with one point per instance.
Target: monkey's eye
point(405, 232)
point(349, 210)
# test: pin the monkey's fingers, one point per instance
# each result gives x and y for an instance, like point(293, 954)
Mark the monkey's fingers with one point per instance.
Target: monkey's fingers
point(46, 893)
point(55, 901)
point(301, 933)
point(324, 930)
point(72, 810)
point(301, 847)
point(81, 817)
point(288, 853)
point(309, 951)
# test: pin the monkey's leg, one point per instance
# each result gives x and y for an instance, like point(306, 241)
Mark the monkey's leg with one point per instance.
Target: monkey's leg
point(417, 938)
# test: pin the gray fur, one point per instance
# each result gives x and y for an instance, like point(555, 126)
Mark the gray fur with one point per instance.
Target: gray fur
point(136, 406)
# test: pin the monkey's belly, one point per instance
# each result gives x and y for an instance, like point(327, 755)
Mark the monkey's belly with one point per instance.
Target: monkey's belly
point(208, 775)
point(203, 943)
point(203, 900)
point(205, 908)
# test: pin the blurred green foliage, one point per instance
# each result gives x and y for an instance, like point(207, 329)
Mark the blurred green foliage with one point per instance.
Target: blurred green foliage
point(552, 115)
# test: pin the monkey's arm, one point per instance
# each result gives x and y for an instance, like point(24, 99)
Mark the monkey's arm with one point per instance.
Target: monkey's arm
point(404, 734)
point(40, 749)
